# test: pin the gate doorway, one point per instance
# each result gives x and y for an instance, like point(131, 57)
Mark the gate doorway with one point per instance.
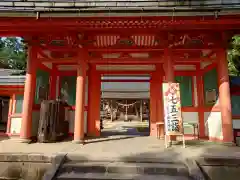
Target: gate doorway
point(4, 109)
point(125, 106)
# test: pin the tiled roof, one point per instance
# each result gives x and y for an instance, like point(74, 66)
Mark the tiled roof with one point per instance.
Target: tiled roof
point(12, 80)
point(9, 72)
point(45, 5)
point(6, 77)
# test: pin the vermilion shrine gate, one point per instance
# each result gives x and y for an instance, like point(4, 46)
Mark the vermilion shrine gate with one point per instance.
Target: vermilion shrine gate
point(190, 49)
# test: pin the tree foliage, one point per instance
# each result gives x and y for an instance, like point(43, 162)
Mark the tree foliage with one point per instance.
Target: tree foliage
point(234, 57)
point(13, 53)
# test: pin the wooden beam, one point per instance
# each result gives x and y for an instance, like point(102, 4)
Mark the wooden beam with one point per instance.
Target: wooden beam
point(147, 60)
point(10, 92)
point(208, 68)
point(125, 61)
point(185, 73)
point(41, 53)
point(147, 49)
point(11, 87)
point(125, 80)
point(124, 72)
point(25, 22)
point(59, 63)
point(67, 73)
point(59, 60)
point(59, 48)
point(44, 67)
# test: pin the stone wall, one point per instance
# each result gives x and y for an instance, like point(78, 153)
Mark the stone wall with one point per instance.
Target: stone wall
point(25, 166)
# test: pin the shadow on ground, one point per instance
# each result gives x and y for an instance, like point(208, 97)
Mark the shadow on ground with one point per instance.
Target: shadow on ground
point(3, 138)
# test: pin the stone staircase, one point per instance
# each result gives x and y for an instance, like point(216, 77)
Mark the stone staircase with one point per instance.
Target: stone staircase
point(95, 170)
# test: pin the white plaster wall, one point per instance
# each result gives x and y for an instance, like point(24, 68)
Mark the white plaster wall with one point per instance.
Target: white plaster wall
point(16, 123)
point(213, 124)
point(190, 117)
point(71, 121)
point(236, 123)
point(15, 126)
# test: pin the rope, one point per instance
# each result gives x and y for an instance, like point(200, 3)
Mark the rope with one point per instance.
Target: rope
point(126, 105)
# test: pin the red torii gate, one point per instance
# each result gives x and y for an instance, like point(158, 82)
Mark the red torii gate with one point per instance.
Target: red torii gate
point(91, 41)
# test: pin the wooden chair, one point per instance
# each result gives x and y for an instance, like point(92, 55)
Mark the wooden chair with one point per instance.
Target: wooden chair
point(160, 125)
point(195, 127)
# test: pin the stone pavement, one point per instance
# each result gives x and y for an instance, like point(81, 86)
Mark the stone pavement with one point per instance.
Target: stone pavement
point(124, 128)
point(122, 148)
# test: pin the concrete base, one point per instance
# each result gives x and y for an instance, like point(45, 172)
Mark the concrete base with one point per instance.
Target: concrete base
point(82, 142)
point(23, 140)
point(229, 144)
point(224, 143)
point(161, 137)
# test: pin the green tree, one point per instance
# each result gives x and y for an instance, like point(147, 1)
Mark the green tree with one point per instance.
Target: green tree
point(234, 57)
point(13, 53)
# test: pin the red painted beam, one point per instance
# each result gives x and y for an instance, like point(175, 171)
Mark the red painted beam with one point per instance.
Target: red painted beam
point(11, 86)
point(97, 21)
point(124, 72)
point(124, 80)
point(44, 67)
point(25, 26)
point(128, 61)
point(66, 63)
point(149, 49)
point(185, 73)
point(208, 68)
point(66, 73)
point(177, 60)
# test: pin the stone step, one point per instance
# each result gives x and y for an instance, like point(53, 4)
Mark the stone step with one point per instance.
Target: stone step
point(116, 176)
point(172, 169)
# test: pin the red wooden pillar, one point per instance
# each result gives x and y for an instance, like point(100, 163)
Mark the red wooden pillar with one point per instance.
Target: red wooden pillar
point(156, 106)
point(200, 97)
point(94, 96)
point(160, 108)
point(29, 93)
point(153, 104)
point(169, 67)
point(53, 83)
point(224, 97)
point(169, 73)
point(9, 114)
point(79, 108)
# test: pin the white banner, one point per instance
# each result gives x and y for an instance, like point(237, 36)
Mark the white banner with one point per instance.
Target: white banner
point(172, 108)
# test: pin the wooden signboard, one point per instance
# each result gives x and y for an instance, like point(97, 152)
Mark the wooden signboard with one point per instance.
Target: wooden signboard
point(172, 111)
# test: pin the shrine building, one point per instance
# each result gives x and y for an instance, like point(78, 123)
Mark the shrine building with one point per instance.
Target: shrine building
point(72, 45)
